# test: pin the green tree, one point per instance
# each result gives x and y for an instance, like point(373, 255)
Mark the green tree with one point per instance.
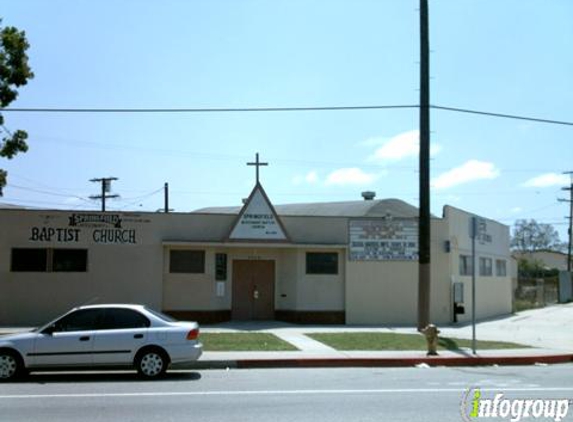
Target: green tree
point(14, 73)
point(531, 236)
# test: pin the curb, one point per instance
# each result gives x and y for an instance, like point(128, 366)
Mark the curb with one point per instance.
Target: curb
point(380, 362)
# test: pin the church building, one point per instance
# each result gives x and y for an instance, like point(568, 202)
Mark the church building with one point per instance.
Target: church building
point(352, 262)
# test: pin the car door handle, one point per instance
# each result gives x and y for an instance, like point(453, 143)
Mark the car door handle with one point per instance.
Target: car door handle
point(84, 338)
point(138, 336)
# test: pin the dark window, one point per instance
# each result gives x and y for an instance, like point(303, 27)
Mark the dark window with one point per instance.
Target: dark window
point(500, 268)
point(70, 260)
point(485, 267)
point(48, 260)
point(160, 315)
point(184, 261)
point(33, 260)
point(81, 320)
point(322, 263)
point(221, 266)
point(466, 265)
point(118, 318)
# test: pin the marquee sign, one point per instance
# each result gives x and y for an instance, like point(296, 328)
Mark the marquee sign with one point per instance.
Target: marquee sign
point(387, 239)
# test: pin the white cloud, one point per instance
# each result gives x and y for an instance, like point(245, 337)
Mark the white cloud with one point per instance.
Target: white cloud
point(547, 180)
point(400, 146)
point(373, 142)
point(468, 172)
point(349, 176)
point(435, 149)
point(310, 178)
point(516, 210)
point(403, 145)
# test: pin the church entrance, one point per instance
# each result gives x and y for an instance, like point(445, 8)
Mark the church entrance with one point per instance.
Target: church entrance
point(253, 290)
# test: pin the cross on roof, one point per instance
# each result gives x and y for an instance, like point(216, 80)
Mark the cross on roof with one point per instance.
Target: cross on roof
point(257, 164)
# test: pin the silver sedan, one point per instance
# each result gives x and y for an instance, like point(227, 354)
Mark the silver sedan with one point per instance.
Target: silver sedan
point(102, 336)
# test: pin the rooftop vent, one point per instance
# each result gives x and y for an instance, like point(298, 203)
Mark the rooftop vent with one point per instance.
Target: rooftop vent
point(368, 195)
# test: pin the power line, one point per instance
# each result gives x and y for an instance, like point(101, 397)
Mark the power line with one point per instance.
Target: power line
point(205, 110)
point(505, 116)
point(47, 192)
point(279, 109)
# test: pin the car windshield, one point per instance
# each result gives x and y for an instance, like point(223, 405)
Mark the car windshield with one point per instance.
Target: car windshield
point(160, 315)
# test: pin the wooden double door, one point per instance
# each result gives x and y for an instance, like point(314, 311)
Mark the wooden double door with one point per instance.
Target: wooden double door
point(253, 290)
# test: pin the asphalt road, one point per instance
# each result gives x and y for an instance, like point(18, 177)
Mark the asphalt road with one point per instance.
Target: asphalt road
point(349, 394)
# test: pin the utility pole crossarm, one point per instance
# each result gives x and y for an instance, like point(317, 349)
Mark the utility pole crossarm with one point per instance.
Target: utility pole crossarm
point(105, 189)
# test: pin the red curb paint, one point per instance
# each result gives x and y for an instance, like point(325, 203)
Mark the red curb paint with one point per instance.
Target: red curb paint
point(403, 362)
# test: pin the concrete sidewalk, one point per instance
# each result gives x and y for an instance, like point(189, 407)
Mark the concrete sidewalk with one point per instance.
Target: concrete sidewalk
point(546, 331)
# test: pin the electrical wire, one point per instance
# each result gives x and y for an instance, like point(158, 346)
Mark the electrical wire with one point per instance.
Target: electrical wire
point(46, 192)
point(279, 109)
point(205, 110)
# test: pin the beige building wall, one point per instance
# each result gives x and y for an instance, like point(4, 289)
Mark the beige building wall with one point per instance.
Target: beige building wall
point(493, 293)
point(381, 292)
point(116, 272)
point(131, 264)
point(386, 292)
point(320, 292)
point(294, 289)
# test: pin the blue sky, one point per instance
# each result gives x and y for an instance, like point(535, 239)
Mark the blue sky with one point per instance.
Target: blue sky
point(510, 56)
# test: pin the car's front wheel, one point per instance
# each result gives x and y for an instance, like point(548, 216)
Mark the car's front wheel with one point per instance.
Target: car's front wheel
point(151, 363)
point(10, 365)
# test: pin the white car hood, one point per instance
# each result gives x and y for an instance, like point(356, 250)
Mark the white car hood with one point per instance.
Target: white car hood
point(20, 341)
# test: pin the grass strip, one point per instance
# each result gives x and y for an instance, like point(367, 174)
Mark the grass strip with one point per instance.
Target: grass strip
point(244, 342)
point(396, 341)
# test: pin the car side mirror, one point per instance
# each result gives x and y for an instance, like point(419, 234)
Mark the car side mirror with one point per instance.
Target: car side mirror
point(49, 330)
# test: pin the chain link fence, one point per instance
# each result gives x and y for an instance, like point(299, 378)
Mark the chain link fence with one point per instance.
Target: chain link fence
point(536, 292)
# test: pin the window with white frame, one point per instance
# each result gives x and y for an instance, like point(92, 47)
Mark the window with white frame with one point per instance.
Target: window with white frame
point(466, 265)
point(500, 267)
point(485, 267)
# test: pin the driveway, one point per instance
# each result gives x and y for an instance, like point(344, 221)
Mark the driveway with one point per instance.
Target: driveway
point(548, 328)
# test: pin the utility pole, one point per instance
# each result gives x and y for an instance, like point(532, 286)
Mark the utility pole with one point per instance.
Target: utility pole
point(166, 194)
point(105, 189)
point(570, 231)
point(424, 273)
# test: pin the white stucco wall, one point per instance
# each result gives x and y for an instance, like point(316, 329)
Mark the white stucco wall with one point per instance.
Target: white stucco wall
point(386, 292)
point(493, 293)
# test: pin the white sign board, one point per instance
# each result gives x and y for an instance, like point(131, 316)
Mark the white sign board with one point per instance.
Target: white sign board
point(258, 221)
point(383, 240)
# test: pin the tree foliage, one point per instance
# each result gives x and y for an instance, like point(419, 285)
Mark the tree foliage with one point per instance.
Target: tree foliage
point(531, 236)
point(14, 73)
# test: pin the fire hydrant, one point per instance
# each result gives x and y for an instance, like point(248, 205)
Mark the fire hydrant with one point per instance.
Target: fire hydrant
point(431, 332)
